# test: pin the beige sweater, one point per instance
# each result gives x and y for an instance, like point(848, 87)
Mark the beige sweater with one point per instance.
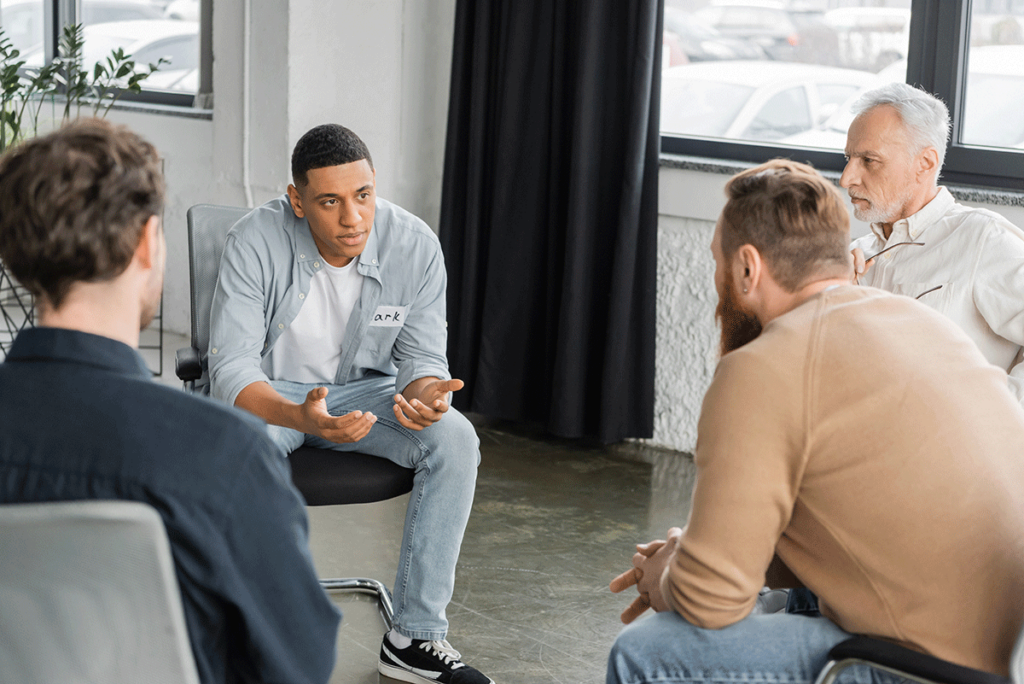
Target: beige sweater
point(865, 440)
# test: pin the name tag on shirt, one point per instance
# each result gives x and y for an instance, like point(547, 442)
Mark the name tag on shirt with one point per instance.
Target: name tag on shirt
point(389, 316)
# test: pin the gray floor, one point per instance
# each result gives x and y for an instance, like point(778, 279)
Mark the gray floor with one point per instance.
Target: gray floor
point(552, 523)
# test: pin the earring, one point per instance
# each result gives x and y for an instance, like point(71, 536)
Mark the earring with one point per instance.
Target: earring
point(744, 290)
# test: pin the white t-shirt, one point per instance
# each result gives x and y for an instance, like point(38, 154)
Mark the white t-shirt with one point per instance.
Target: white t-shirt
point(309, 350)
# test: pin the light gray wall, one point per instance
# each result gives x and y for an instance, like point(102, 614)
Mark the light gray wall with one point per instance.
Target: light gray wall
point(380, 67)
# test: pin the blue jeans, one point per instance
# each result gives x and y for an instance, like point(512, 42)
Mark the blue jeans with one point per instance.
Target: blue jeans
point(445, 457)
point(776, 648)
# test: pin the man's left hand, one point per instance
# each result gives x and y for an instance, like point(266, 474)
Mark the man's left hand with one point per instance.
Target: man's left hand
point(649, 563)
point(424, 402)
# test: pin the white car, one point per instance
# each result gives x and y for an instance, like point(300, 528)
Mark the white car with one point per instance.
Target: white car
point(753, 100)
point(146, 41)
point(992, 108)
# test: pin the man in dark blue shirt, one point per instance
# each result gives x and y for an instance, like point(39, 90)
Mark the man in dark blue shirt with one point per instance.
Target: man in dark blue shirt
point(81, 418)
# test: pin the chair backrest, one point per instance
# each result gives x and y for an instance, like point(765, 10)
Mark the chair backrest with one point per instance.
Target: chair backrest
point(208, 226)
point(88, 594)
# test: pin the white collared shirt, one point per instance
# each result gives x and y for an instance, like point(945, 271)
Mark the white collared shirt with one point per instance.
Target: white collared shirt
point(976, 259)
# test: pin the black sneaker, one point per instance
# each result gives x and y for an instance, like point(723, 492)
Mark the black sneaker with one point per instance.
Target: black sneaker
point(426, 662)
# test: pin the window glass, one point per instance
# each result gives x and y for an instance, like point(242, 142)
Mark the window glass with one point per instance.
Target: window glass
point(785, 71)
point(786, 113)
point(147, 40)
point(22, 21)
point(994, 93)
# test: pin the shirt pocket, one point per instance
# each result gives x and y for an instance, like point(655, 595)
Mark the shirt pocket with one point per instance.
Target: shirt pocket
point(934, 293)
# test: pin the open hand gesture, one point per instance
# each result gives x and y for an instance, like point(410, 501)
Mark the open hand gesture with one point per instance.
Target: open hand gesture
point(428, 403)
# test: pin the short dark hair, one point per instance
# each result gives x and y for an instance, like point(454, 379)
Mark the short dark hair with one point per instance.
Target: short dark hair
point(326, 145)
point(793, 216)
point(73, 205)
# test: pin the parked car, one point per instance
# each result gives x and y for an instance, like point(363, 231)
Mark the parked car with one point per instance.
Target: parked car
point(760, 101)
point(22, 20)
point(765, 23)
point(187, 10)
point(689, 38)
point(994, 100)
point(147, 41)
point(870, 38)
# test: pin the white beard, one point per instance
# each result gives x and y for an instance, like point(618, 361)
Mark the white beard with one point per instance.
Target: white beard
point(885, 213)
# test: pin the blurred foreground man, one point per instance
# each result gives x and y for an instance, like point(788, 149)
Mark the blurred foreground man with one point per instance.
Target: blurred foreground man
point(853, 442)
point(968, 263)
point(81, 418)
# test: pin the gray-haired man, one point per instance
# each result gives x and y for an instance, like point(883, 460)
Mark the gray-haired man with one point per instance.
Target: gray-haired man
point(967, 263)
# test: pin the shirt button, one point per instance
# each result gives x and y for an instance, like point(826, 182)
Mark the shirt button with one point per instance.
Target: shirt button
point(213, 351)
point(280, 326)
point(374, 261)
point(302, 256)
point(302, 296)
point(316, 264)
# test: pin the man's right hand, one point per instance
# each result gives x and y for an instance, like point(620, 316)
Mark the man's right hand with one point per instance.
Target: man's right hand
point(350, 427)
point(860, 267)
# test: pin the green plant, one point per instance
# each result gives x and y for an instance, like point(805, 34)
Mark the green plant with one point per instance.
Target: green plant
point(24, 91)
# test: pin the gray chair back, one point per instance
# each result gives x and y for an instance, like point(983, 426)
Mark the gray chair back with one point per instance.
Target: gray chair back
point(208, 226)
point(88, 594)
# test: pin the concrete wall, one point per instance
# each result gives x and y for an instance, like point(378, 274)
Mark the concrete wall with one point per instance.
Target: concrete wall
point(687, 338)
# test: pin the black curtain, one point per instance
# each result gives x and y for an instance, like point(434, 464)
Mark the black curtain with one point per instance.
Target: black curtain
point(549, 212)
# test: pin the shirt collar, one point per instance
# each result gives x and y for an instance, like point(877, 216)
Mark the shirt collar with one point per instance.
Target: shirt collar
point(369, 264)
point(917, 223)
point(306, 249)
point(74, 346)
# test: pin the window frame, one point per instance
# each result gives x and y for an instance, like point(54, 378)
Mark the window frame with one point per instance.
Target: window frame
point(60, 13)
point(934, 25)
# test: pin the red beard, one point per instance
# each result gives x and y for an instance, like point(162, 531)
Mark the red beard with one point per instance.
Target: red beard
point(738, 327)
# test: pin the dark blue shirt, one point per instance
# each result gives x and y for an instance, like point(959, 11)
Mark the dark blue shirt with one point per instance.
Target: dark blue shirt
point(81, 418)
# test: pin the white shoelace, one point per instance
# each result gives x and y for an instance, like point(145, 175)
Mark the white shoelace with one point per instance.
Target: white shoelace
point(443, 650)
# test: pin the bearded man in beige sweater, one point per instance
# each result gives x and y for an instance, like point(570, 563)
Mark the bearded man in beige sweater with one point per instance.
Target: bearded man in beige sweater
point(852, 441)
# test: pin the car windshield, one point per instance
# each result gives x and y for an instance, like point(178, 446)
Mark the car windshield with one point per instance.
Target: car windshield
point(700, 107)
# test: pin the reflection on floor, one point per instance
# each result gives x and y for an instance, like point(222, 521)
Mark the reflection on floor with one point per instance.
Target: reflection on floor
point(552, 523)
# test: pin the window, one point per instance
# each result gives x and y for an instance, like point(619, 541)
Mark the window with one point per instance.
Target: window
point(149, 30)
point(751, 88)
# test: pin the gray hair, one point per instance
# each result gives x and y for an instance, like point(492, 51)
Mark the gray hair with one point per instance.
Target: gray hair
point(924, 116)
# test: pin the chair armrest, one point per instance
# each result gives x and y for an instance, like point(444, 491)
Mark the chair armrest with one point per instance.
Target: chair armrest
point(187, 365)
point(912, 663)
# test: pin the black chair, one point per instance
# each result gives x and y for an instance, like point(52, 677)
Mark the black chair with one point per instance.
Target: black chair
point(324, 477)
point(912, 665)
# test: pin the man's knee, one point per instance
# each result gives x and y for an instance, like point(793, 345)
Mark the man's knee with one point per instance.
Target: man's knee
point(455, 440)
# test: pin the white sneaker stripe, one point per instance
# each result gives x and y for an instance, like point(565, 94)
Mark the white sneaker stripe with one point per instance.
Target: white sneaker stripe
point(423, 673)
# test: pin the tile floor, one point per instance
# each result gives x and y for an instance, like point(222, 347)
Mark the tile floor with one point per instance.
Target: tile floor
point(552, 523)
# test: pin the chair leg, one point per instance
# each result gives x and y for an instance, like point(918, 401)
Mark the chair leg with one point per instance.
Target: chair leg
point(364, 585)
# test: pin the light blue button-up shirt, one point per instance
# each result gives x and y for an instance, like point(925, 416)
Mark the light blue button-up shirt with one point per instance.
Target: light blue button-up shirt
point(269, 260)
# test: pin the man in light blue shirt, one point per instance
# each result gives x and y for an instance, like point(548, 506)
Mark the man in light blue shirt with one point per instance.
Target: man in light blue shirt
point(328, 322)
